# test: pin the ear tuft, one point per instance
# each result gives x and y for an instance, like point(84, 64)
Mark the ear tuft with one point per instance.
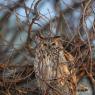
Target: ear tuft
point(39, 38)
point(57, 38)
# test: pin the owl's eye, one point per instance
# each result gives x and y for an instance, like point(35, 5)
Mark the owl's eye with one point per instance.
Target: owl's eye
point(44, 44)
point(53, 44)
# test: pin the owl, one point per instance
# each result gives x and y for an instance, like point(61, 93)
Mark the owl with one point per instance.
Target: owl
point(54, 68)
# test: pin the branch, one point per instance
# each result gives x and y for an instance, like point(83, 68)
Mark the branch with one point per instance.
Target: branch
point(8, 13)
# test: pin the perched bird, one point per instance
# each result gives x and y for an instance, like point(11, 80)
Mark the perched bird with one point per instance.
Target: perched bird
point(54, 68)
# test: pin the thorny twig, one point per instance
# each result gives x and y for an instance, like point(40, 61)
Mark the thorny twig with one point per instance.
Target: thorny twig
point(36, 15)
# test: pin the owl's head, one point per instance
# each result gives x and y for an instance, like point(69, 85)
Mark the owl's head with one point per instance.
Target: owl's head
point(50, 42)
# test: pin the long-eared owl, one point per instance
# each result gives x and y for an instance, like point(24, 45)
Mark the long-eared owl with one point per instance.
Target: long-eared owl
point(54, 68)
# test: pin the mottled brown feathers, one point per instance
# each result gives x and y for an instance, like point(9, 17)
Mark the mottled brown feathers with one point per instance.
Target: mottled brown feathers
point(52, 68)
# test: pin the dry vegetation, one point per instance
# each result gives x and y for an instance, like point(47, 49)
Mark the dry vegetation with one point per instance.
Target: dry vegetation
point(17, 76)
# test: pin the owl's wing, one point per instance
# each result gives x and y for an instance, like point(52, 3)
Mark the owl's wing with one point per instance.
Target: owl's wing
point(69, 57)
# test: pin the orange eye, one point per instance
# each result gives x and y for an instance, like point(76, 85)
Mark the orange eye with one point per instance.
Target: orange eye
point(44, 44)
point(53, 44)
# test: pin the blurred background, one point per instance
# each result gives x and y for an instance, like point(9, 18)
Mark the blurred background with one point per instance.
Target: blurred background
point(22, 21)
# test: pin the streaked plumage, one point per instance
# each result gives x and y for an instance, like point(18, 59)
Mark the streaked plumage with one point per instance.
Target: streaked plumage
point(54, 68)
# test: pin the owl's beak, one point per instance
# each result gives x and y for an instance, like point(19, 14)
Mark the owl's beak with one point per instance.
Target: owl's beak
point(49, 46)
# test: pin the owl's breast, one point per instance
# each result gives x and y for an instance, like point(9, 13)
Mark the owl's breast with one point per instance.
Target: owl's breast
point(51, 67)
point(44, 65)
